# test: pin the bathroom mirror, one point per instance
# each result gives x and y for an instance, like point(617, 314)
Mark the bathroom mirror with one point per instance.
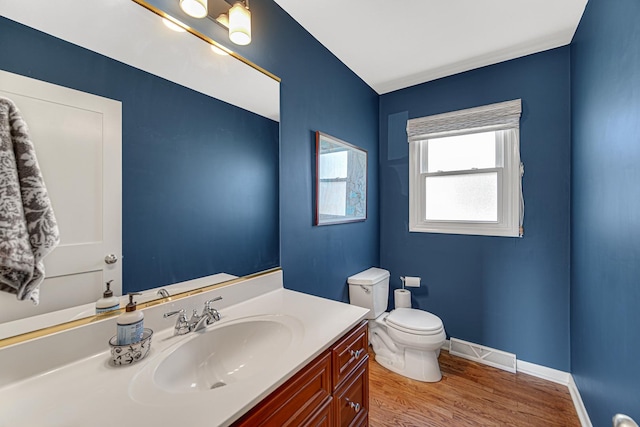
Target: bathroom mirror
point(341, 181)
point(199, 175)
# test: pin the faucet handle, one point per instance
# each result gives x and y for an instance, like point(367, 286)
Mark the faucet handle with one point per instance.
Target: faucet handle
point(210, 310)
point(181, 312)
point(207, 304)
point(182, 325)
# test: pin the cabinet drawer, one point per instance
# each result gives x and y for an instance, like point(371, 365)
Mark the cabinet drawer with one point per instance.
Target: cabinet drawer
point(351, 400)
point(349, 352)
point(296, 400)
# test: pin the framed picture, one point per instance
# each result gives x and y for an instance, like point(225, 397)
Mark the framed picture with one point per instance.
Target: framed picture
point(341, 181)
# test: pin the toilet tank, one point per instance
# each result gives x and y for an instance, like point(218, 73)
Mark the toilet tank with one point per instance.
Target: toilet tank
point(370, 289)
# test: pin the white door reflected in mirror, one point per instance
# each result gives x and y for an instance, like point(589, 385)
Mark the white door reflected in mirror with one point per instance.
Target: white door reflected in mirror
point(77, 138)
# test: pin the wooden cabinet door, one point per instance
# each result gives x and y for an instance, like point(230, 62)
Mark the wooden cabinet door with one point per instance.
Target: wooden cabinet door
point(296, 400)
point(351, 399)
point(323, 416)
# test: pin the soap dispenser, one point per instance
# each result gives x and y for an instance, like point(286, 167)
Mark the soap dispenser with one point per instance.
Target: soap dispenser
point(130, 323)
point(108, 302)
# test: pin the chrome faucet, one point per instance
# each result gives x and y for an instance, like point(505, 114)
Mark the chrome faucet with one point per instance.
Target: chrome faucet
point(182, 324)
point(198, 321)
point(162, 292)
point(209, 315)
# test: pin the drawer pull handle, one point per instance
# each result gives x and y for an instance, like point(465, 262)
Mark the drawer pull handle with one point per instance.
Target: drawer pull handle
point(355, 406)
point(356, 353)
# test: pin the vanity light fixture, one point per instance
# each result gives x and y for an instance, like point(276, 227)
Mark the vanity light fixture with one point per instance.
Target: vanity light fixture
point(240, 23)
point(237, 20)
point(195, 8)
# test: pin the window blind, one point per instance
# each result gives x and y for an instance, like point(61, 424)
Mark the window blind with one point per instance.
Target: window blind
point(503, 115)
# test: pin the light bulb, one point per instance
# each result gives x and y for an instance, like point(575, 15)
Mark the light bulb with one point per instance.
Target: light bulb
point(223, 19)
point(173, 26)
point(195, 8)
point(219, 51)
point(239, 24)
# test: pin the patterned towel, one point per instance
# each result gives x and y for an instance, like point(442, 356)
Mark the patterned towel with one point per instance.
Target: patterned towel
point(28, 228)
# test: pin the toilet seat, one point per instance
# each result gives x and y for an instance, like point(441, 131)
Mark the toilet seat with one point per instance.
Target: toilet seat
point(413, 321)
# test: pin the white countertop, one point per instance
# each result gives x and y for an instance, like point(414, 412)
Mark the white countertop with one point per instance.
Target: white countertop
point(92, 392)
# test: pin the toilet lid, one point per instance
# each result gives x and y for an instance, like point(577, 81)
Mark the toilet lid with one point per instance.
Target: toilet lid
point(417, 321)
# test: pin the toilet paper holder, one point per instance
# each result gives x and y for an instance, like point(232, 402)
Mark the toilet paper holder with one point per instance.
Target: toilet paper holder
point(412, 282)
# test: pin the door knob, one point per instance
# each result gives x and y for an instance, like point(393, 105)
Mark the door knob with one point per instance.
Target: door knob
point(111, 259)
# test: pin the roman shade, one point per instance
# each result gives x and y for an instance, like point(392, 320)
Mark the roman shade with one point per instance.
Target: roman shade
point(503, 115)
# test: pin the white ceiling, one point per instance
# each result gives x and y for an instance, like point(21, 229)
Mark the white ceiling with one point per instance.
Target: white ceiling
point(396, 44)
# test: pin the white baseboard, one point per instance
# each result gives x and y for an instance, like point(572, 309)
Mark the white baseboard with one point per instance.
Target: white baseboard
point(543, 372)
point(577, 402)
point(555, 375)
point(559, 377)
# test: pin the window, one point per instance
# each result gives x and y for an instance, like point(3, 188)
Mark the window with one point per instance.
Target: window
point(465, 172)
point(333, 183)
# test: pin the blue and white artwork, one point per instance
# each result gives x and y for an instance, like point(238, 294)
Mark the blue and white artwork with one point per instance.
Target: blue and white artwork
point(341, 181)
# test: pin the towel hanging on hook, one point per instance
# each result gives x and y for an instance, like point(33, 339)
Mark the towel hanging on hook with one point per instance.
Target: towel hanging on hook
point(28, 228)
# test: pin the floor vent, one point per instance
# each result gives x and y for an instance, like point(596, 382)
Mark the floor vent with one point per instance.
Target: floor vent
point(478, 353)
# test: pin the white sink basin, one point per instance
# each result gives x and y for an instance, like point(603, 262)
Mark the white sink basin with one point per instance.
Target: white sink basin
point(231, 353)
point(227, 354)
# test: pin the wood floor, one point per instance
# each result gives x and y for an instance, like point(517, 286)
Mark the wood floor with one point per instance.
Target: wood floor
point(470, 394)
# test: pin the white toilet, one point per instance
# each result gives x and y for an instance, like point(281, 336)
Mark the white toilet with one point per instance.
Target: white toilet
point(406, 340)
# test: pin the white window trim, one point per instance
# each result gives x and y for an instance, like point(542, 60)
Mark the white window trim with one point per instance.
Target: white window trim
point(502, 116)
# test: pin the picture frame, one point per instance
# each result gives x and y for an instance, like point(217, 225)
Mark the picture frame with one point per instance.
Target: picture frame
point(341, 181)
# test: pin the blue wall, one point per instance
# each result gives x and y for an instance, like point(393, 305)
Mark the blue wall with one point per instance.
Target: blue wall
point(318, 92)
point(507, 293)
point(200, 177)
point(605, 270)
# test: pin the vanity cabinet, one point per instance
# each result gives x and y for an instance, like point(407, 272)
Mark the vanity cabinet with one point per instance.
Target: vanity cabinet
point(332, 390)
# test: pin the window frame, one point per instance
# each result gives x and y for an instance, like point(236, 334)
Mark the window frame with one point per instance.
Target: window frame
point(509, 197)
